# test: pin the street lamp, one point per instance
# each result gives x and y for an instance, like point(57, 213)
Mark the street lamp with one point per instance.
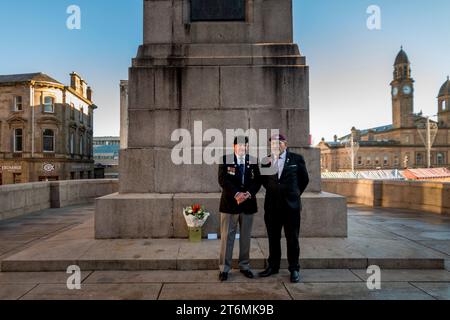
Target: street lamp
point(352, 148)
point(428, 131)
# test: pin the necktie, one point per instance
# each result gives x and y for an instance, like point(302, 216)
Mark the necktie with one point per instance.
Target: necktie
point(280, 167)
point(242, 169)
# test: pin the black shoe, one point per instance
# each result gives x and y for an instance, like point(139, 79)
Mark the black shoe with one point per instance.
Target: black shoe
point(268, 272)
point(223, 276)
point(295, 277)
point(248, 273)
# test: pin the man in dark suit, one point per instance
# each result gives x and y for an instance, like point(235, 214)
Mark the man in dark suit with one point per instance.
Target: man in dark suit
point(283, 204)
point(239, 178)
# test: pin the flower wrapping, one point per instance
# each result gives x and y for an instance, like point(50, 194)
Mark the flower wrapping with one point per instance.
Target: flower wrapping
point(195, 216)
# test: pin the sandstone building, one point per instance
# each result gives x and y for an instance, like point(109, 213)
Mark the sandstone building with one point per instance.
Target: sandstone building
point(398, 145)
point(46, 128)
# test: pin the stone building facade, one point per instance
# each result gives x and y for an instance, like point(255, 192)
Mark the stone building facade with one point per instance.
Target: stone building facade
point(400, 144)
point(46, 129)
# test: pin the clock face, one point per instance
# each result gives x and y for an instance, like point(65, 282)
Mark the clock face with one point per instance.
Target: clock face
point(407, 89)
point(395, 91)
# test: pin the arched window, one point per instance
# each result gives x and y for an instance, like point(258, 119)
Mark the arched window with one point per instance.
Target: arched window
point(444, 105)
point(49, 105)
point(48, 140)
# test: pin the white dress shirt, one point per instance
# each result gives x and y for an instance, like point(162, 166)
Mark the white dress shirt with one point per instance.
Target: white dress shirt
point(280, 162)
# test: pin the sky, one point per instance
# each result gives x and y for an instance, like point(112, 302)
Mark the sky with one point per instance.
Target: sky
point(350, 66)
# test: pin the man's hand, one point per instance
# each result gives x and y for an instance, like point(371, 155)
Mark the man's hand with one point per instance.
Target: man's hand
point(241, 197)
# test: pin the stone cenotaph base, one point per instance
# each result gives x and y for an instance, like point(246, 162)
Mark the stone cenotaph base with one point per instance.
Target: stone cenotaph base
point(230, 64)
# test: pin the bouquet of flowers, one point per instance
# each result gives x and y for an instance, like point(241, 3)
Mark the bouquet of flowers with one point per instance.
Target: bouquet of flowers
point(195, 216)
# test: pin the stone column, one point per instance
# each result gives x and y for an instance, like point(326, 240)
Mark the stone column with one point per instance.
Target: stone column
point(242, 74)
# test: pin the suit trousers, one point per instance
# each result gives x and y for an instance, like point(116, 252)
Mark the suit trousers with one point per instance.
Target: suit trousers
point(275, 221)
point(228, 229)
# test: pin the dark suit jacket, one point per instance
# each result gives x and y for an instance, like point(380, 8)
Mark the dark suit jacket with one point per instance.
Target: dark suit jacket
point(285, 193)
point(230, 179)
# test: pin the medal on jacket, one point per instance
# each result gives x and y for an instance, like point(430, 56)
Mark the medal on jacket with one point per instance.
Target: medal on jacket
point(231, 171)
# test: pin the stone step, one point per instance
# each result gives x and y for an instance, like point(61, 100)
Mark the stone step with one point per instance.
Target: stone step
point(56, 254)
point(209, 264)
point(365, 246)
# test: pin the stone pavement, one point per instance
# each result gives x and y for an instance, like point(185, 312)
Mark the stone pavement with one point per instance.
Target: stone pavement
point(395, 238)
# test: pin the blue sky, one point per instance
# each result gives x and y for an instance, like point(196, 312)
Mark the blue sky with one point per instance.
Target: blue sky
point(350, 66)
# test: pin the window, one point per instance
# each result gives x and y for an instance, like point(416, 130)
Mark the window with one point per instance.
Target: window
point(377, 160)
point(360, 161)
point(72, 143)
point(396, 163)
point(369, 161)
point(81, 114)
point(72, 111)
point(81, 145)
point(444, 105)
point(88, 143)
point(386, 160)
point(18, 106)
point(419, 158)
point(440, 158)
point(49, 105)
point(18, 140)
point(48, 140)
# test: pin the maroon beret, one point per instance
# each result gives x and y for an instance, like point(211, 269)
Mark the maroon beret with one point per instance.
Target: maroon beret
point(278, 137)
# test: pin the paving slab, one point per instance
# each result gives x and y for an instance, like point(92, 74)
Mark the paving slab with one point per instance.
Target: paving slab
point(211, 276)
point(358, 229)
point(151, 254)
point(14, 291)
point(408, 275)
point(440, 290)
point(355, 291)
point(47, 256)
point(37, 277)
point(95, 292)
point(224, 291)
point(6, 246)
point(442, 246)
point(205, 255)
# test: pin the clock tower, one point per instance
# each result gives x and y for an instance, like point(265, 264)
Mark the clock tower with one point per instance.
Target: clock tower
point(402, 92)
